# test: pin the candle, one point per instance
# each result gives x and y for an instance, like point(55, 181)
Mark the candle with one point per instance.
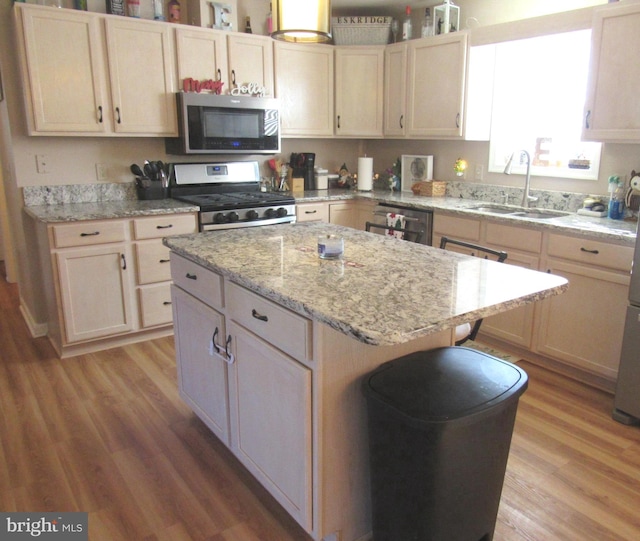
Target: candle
point(365, 174)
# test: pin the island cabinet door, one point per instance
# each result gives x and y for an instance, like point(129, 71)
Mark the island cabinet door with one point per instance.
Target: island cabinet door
point(270, 406)
point(202, 373)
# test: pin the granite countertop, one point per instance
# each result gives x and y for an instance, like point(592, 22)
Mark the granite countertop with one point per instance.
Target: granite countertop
point(383, 292)
point(103, 210)
point(604, 228)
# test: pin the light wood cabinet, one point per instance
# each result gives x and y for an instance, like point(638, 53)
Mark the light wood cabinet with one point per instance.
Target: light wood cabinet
point(304, 86)
point(202, 372)
point(582, 328)
point(250, 60)
point(95, 289)
point(611, 111)
point(395, 89)
point(152, 264)
point(312, 212)
point(358, 91)
point(142, 84)
point(353, 214)
point(109, 280)
point(74, 86)
point(202, 55)
point(436, 85)
point(63, 71)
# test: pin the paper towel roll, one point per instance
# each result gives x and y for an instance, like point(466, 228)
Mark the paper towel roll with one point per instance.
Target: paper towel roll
point(365, 174)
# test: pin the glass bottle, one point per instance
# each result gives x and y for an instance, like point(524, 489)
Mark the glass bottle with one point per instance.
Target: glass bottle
point(158, 10)
point(270, 20)
point(174, 11)
point(427, 24)
point(406, 25)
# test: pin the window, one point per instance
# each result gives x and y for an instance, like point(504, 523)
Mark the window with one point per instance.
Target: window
point(540, 87)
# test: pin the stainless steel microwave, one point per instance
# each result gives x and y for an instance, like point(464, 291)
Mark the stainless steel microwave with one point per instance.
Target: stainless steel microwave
point(213, 124)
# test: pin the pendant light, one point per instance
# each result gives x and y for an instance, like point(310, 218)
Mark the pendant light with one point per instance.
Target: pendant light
point(304, 21)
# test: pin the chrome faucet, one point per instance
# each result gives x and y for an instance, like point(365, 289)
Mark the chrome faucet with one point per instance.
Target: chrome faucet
point(526, 198)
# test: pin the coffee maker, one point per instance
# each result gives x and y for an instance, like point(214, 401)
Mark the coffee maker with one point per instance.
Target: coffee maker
point(302, 166)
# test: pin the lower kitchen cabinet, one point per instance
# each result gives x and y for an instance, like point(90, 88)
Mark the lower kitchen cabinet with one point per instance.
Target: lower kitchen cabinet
point(95, 291)
point(353, 214)
point(582, 328)
point(312, 212)
point(202, 372)
point(108, 281)
point(271, 430)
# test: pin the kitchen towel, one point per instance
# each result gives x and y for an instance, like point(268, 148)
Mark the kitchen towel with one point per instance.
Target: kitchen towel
point(365, 174)
point(398, 221)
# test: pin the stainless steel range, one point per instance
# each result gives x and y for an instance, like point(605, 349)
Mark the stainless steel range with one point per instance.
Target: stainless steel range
point(229, 195)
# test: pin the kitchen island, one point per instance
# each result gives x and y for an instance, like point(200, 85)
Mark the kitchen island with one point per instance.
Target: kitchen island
point(272, 343)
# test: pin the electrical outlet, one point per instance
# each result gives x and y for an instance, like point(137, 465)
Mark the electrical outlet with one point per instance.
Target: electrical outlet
point(101, 171)
point(41, 164)
point(479, 171)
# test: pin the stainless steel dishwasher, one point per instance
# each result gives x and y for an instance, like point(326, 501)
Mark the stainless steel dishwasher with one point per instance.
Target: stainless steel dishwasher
point(416, 219)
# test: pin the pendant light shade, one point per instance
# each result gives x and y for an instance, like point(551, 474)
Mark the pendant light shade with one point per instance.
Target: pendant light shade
point(305, 21)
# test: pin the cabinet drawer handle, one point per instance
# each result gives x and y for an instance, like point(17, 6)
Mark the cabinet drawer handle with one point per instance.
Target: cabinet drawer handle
point(164, 261)
point(589, 251)
point(258, 315)
point(164, 226)
point(310, 211)
point(90, 234)
point(191, 276)
point(124, 262)
point(167, 303)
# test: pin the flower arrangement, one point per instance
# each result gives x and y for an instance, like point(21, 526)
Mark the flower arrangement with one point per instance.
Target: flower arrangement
point(460, 167)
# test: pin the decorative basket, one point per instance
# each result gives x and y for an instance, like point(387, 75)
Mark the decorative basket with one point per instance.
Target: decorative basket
point(430, 188)
point(361, 30)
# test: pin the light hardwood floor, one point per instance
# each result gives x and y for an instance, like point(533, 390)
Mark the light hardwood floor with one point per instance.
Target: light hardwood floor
point(107, 434)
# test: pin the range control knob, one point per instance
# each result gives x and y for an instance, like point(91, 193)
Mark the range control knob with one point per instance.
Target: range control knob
point(233, 216)
point(281, 212)
point(219, 218)
point(252, 215)
point(270, 213)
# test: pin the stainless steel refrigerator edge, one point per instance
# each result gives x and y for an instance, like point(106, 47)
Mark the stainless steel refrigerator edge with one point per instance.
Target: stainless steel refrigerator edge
point(627, 399)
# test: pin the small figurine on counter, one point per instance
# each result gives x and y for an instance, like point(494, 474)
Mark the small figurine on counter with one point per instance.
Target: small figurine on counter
point(345, 180)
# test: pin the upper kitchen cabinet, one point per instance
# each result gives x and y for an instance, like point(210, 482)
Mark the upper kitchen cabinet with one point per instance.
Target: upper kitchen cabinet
point(611, 110)
point(358, 91)
point(202, 55)
point(395, 89)
point(63, 71)
point(142, 84)
point(250, 59)
point(304, 86)
point(73, 86)
point(436, 85)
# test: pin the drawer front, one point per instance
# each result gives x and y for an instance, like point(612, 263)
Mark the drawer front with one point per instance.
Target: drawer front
point(519, 238)
point(592, 252)
point(152, 258)
point(312, 212)
point(155, 305)
point(285, 330)
point(89, 233)
point(203, 284)
point(456, 228)
point(164, 226)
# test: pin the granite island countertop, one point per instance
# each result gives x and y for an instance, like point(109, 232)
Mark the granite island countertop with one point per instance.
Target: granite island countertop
point(382, 292)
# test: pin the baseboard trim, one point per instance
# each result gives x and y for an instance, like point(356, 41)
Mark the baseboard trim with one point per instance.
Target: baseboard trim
point(37, 330)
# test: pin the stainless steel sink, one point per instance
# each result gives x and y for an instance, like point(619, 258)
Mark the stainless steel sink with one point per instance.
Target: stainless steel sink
point(535, 214)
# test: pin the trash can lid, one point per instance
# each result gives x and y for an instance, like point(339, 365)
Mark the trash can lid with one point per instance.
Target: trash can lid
point(445, 384)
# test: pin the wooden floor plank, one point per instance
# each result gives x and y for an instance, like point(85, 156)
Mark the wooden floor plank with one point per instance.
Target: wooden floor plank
point(107, 433)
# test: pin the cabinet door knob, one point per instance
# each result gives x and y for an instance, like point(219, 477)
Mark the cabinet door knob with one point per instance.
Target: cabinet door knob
point(124, 262)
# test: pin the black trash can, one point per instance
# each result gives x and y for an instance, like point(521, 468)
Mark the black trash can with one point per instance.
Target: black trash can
point(440, 426)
